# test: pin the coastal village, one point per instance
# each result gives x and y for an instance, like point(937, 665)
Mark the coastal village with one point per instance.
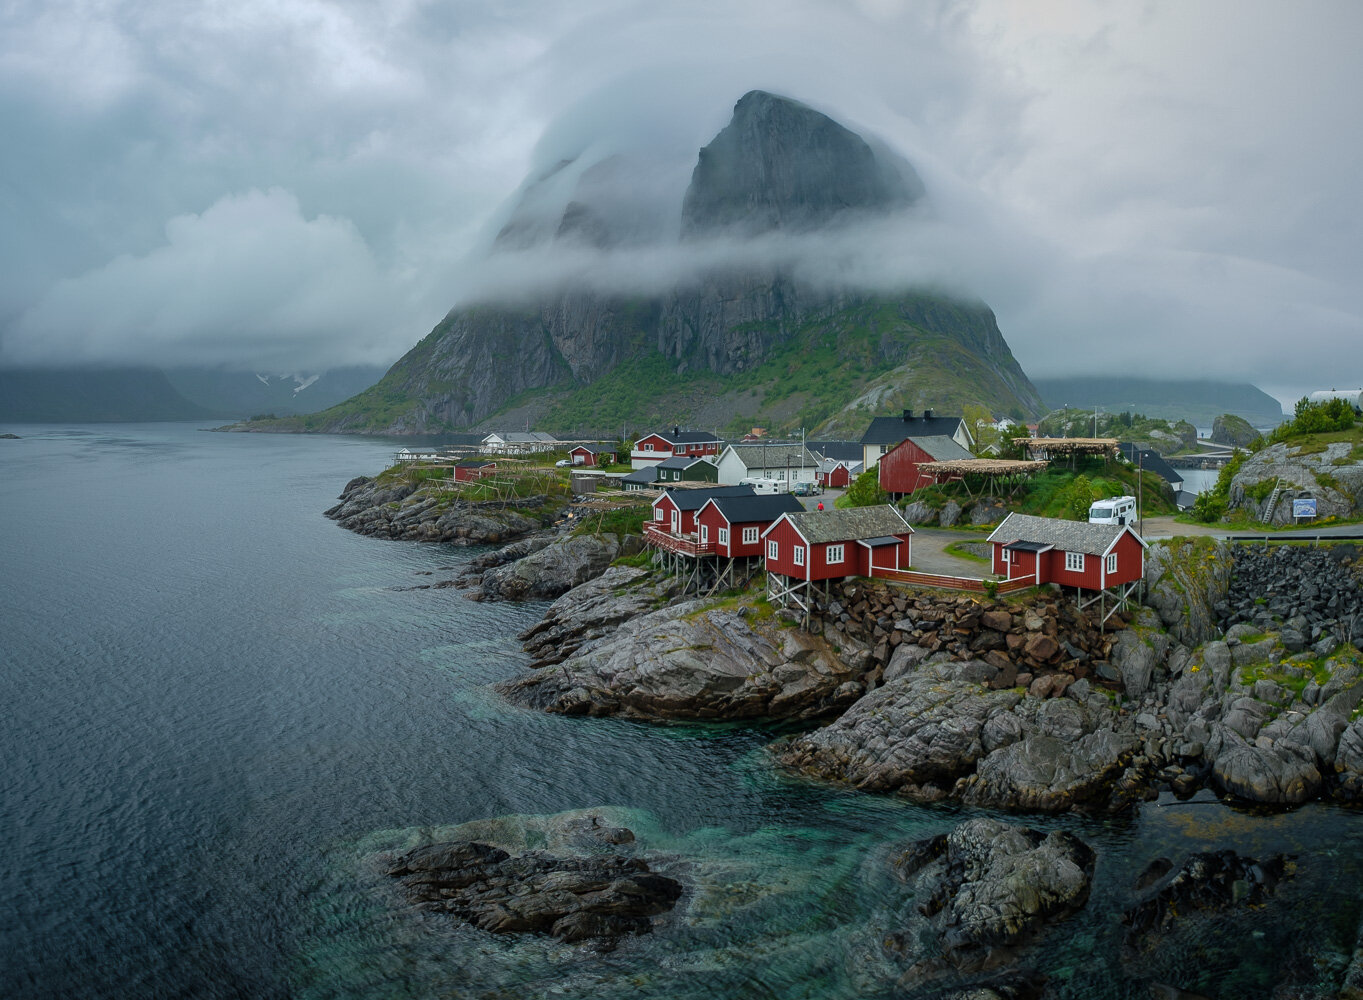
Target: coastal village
point(1068, 664)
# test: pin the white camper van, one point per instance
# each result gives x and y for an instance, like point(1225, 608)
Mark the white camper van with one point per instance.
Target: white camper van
point(763, 485)
point(1114, 510)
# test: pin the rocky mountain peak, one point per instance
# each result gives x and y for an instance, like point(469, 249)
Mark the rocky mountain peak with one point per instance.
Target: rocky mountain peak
point(781, 165)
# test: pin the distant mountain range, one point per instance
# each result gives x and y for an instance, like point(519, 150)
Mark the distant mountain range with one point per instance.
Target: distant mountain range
point(77, 395)
point(1198, 401)
point(729, 345)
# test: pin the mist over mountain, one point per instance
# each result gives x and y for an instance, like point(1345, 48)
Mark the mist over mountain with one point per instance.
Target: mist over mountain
point(742, 297)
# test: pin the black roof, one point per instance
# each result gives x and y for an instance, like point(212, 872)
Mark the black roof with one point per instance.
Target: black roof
point(694, 499)
point(842, 451)
point(892, 430)
point(648, 475)
point(746, 510)
point(595, 449)
point(1152, 460)
point(473, 464)
point(683, 437)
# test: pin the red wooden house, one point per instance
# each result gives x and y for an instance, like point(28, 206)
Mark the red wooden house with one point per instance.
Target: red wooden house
point(834, 474)
point(1094, 557)
point(732, 526)
point(676, 509)
point(465, 472)
point(592, 454)
point(809, 547)
point(661, 445)
point(899, 472)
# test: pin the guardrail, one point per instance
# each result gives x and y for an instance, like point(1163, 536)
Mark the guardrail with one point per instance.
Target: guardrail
point(687, 545)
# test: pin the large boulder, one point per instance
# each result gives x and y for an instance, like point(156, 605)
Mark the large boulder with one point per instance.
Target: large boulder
point(552, 570)
point(989, 885)
point(1282, 774)
point(695, 660)
point(595, 609)
point(1048, 774)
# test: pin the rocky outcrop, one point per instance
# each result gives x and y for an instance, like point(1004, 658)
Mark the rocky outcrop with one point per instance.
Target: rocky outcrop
point(695, 660)
point(987, 888)
point(553, 569)
point(1185, 581)
point(600, 895)
point(1232, 430)
point(400, 510)
point(1332, 476)
point(596, 609)
point(934, 730)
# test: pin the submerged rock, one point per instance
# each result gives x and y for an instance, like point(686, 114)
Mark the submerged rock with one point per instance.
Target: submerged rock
point(600, 897)
point(987, 887)
point(1205, 881)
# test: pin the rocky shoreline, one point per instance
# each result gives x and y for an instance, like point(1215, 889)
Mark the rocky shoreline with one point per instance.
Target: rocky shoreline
point(1239, 680)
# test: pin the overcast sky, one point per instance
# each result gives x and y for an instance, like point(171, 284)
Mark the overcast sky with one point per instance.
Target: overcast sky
point(1169, 187)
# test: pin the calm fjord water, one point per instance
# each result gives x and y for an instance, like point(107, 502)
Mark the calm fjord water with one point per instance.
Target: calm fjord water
point(215, 702)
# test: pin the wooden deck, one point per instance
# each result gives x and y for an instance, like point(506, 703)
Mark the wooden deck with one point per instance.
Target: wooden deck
point(684, 545)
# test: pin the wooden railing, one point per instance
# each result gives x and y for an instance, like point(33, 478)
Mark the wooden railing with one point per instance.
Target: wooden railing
point(687, 545)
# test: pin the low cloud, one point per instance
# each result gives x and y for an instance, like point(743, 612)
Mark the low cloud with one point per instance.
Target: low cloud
point(250, 277)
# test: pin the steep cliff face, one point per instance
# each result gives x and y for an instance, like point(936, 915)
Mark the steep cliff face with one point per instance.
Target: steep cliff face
point(779, 169)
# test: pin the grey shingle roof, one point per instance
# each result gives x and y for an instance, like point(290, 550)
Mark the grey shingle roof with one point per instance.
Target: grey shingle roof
point(845, 451)
point(647, 475)
point(683, 437)
point(776, 456)
point(1071, 536)
point(940, 447)
point(850, 524)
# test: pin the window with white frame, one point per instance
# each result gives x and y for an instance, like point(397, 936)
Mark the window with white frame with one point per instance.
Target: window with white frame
point(659, 514)
point(704, 534)
point(723, 536)
point(834, 554)
point(1007, 555)
point(1112, 563)
point(1074, 562)
point(750, 535)
point(773, 550)
point(799, 555)
point(648, 446)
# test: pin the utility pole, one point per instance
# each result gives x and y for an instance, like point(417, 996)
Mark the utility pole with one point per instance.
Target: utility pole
point(1140, 491)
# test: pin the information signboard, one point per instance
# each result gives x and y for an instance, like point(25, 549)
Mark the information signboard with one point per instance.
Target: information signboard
point(1304, 507)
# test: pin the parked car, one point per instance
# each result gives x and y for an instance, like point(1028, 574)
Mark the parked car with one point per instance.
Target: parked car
point(563, 463)
point(807, 489)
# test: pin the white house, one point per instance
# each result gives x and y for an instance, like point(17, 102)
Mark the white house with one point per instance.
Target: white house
point(784, 463)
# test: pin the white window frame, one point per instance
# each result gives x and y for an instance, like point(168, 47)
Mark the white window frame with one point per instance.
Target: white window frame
point(835, 554)
point(799, 555)
point(1112, 562)
point(1074, 562)
point(648, 446)
point(773, 549)
point(723, 536)
point(1007, 556)
point(705, 534)
point(750, 535)
point(659, 514)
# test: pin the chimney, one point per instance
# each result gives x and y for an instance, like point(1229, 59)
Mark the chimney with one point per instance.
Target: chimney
point(908, 414)
point(676, 432)
point(927, 414)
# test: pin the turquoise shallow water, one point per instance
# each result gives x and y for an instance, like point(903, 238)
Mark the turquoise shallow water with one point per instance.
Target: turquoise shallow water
point(217, 706)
